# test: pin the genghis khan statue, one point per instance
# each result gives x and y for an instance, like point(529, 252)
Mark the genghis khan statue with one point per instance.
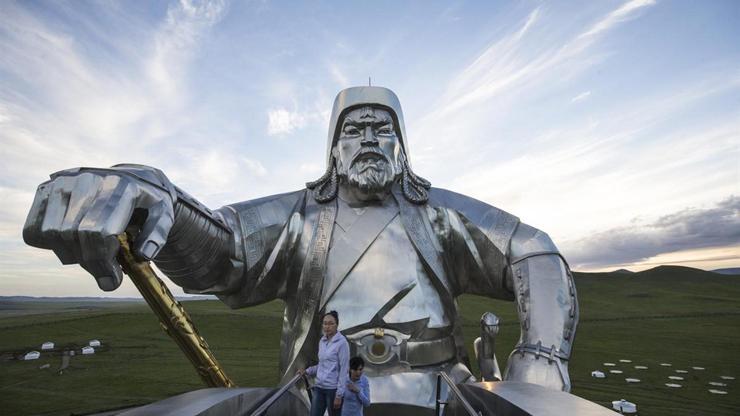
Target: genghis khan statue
point(369, 239)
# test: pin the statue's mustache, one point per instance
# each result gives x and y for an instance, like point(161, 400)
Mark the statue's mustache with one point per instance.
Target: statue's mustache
point(369, 153)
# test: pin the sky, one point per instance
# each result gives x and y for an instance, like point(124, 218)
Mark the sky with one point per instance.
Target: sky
point(614, 126)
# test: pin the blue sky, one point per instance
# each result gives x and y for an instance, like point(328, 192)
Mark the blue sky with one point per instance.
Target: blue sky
point(612, 125)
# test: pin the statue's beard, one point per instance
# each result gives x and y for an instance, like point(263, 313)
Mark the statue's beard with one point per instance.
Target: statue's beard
point(371, 175)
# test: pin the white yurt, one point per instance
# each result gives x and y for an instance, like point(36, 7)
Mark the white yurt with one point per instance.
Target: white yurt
point(48, 345)
point(88, 350)
point(32, 355)
point(94, 343)
point(624, 406)
point(598, 374)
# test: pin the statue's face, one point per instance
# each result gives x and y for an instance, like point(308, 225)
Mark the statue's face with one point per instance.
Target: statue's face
point(367, 149)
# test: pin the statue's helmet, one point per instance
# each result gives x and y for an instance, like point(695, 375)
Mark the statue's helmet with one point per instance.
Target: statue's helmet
point(325, 188)
point(354, 97)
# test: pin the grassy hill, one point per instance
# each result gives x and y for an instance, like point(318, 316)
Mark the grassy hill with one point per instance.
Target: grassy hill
point(685, 317)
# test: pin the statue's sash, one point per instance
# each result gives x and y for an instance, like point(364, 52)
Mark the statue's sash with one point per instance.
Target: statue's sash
point(306, 326)
point(416, 223)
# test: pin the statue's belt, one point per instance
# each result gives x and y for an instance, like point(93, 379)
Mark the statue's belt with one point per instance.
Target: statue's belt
point(387, 347)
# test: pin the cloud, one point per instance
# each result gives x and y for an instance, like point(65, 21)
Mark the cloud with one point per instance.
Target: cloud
point(309, 112)
point(574, 175)
point(494, 69)
point(580, 97)
point(215, 176)
point(507, 62)
point(537, 58)
point(281, 121)
point(313, 168)
point(338, 75)
point(68, 105)
point(13, 216)
point(621, 14)
point(253, 167)
point(688, 229)
point(176, 42)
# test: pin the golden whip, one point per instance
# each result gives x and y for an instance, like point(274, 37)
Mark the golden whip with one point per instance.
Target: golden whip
point(172, 317)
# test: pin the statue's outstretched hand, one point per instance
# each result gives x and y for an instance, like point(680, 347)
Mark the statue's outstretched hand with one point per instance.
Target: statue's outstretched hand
point(79, 213)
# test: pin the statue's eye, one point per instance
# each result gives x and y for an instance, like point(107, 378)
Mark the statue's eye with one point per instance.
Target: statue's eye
point(351, 131)
point(386, 131)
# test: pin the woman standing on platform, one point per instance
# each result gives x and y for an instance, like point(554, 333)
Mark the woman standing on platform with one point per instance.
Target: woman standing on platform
point(332, 371)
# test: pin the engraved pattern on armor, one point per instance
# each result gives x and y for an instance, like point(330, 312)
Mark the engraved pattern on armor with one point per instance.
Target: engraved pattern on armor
point(319, 249)
point(311, 282)
point(254, 241)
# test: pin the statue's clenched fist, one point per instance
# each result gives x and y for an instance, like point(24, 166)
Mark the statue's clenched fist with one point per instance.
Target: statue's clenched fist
point(79, 213)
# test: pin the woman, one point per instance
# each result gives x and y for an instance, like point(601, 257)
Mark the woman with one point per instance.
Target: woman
point(357, 394)
point(332, 371)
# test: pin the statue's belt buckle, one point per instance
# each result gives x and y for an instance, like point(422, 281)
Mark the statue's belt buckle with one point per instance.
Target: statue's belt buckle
point(380, 345)
point(386, 347)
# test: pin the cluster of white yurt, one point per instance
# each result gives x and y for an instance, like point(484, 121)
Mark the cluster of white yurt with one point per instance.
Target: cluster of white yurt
point(675, 380)
point(49, 345)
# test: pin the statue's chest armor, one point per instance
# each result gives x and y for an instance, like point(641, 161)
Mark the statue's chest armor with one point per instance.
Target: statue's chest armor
point(370, 264)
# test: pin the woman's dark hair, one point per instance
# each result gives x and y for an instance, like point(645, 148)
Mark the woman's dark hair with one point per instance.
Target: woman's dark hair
point(332, 313)
point(356, 362)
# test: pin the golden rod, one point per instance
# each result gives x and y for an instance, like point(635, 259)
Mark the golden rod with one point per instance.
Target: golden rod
point(172, 317)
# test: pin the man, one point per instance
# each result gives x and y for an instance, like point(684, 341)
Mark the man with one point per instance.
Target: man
point(369, 239)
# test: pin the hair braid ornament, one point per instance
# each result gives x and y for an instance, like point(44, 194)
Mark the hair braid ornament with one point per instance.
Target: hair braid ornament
point(414, 187)
point(327, 186)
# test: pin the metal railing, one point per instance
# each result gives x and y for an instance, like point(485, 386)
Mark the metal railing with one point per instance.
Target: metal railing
point(275, 396)
point(453, 388)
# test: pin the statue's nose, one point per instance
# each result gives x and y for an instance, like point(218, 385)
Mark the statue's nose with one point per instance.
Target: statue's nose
point(368, 137)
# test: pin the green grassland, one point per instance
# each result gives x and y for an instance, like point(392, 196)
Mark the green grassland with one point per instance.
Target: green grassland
point(676, 315)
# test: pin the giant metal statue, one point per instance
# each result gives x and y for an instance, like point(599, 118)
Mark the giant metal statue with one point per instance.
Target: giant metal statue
point(370, 239)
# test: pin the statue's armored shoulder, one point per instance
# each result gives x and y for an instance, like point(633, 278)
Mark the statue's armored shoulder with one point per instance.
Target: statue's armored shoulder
point(273, 210)
point(497, 224)
point(257, 224)
point(528, 241)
